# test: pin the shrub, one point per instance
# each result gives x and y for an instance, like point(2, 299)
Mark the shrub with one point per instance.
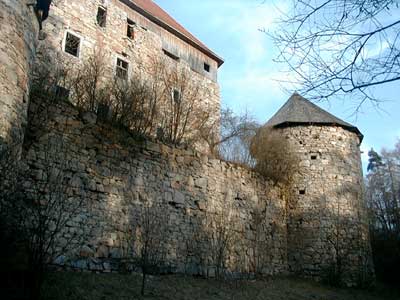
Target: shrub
point(275, 158)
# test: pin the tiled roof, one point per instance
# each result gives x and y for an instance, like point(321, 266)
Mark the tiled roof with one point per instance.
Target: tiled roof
point(156, 14)
point(299, 111)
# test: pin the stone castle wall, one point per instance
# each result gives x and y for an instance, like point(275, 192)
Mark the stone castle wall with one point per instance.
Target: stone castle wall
point(114, 179)
point(18, 36)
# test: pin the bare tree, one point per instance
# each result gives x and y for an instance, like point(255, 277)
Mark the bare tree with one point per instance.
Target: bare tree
point(383, 200)
point(340, 47)
point(383, 190)
point(232, 143)
point(150, 231)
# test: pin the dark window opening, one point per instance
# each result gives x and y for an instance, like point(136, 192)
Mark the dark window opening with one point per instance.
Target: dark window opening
point(302, 192)
point(206, 67)
point(72, 43)
point(170, 55)
point(103, 112)
point(122, 69)
point(62, 93)
point(101, 16)
point(130, 31)
point(176, 96)
point(313, 157)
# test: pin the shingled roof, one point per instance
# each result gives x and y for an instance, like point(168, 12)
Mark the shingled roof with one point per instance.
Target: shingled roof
point(156, 14)
point(300, 111)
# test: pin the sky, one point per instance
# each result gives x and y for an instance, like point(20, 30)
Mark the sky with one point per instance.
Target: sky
point(249, 78)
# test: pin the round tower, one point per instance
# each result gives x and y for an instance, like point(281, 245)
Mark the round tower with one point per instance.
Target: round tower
point(327, 225)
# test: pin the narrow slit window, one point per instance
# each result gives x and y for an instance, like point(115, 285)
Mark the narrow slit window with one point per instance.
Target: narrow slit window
point(206, 67)
point(176, 96)
point(130, 29)
point(72, 44)
point(101, 16)
point(122, 69)
point(170, 55)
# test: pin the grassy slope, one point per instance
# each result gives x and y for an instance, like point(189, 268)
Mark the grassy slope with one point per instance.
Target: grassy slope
point(76, 286)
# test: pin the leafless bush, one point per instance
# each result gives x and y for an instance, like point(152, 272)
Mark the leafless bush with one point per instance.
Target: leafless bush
point(221, 235)
point(134, 106)
point(88, 83)
point(150, 235)
point(182, 113)
point(48, 75)
point(275, 158)
point(38, 215)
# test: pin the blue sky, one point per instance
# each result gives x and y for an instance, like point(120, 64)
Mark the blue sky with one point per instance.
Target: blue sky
point(249, 79)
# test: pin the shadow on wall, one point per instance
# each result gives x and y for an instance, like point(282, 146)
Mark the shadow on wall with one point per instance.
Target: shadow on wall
point(328, 237)
point(114, 179)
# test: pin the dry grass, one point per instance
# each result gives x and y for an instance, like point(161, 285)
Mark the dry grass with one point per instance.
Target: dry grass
point(86, 286)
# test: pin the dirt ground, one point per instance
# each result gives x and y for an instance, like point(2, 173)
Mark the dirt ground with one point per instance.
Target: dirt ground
point(76, 286)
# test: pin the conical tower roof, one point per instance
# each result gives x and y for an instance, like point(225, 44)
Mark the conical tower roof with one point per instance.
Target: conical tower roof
point(300, 111)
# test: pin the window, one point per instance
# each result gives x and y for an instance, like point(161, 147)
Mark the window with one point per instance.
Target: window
point(170, 55)
point(176, 96)
point(302, 192)
point(122, 69)
point(101, 16)
point(313, 157)
point(62, 93)
point(130, 31)
point(72, 44)
point(206, 67)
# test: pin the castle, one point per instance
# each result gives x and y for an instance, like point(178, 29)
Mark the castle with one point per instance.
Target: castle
point(317, 222)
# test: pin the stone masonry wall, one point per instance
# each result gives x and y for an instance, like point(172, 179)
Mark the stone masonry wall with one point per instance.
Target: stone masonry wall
point(327, 221)
point(114, 178)
point(18, 37)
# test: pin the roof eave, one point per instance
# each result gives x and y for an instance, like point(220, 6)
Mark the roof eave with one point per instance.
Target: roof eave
point(172, 30)
point(349, 128)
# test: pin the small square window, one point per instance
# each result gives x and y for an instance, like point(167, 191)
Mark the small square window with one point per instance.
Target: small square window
point(176, 96)
point(62, 93)
point(206, 67)
point(313, 157)
point(302, 192)
point(130, 30)
point(101, 16)
point(122, 69)
point(72, 44)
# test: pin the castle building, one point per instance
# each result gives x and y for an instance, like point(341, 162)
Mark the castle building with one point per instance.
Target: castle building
point(315, 225)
